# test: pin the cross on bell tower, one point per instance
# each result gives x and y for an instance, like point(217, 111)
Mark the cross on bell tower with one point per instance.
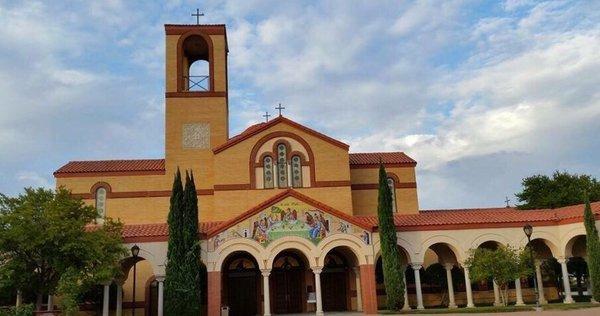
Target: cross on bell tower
point(198, 14)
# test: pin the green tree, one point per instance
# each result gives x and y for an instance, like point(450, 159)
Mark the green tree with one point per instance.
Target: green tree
point(175, 272)
point(390, 255)
point(503, 265)
point(562, 189)
point(47, 246)
point(592, 249)
point(193, 266)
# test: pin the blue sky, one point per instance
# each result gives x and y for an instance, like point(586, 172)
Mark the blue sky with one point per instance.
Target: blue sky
point(481, 93)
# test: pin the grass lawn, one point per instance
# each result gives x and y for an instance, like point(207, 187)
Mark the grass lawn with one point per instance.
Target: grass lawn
point(494, 309)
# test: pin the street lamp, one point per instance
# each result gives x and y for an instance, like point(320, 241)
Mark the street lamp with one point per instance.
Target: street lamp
point(528, 229)
point(135, 251)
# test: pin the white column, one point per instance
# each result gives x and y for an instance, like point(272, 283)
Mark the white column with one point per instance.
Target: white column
point(19, 299)
point(565, 276)
point(406, 306)
point(119, 310)
point(519, 293)
point(540, 281)
point(451, 301)
point(161, 295)
point(416, 268)
point(266, 292)
point(358, 289)
point(468, 288)
point(106, 299)
point(317, 272)
point(496, 294)
point(50, 305)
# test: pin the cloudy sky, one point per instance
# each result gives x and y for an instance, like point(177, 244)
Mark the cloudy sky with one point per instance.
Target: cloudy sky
point(480, 93)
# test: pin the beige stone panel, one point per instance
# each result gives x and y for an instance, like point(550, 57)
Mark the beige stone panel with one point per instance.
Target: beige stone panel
point(171, 62)
point(371, 175)
point(365, 201)
point(232, 203)
point(220, 61)
point(117, 183)
point(232, 164)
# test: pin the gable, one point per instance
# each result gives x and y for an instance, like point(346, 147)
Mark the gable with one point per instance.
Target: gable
point(288, 214)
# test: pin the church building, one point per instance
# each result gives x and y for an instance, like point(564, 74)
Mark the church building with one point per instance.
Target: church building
point(288, 215)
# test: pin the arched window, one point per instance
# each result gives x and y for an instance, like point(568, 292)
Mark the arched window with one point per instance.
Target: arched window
point(268, 179)
point(296, 171)
point(101, 202)
point(282, 172)
point(196, 68)
point(392, 184)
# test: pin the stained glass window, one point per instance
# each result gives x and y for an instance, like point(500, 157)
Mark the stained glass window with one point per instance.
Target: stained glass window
point(101, 202)
point(296, 172)
point(282, 172)
point(268, 172)
point(392, 185)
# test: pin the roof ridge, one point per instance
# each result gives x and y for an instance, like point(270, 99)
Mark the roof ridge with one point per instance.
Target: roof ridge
point(132, 159)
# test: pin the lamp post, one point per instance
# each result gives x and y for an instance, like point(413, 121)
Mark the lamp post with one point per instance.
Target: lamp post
point(528, 229)
point(135, 251)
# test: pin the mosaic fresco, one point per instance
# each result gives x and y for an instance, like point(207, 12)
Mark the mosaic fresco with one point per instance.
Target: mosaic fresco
point(289, 217)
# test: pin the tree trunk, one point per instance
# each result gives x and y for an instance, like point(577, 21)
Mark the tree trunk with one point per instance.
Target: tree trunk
point(39, 301)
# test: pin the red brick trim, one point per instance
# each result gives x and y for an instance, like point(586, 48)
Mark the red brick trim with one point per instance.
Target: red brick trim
point(99, 185)
point(330, 184)
point(196, 94)
point(107, 174)
point(180, 29)
point(211, 56)
point(264, 139)
point(278, 197)
point(232, 187)
point(280, 119)
point(137, 194)
point(214, 293)
point(368, 289)
point(387, 165)
point(375, 186)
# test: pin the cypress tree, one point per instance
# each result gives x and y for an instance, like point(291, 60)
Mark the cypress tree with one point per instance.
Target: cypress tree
point(176, 252)
point(192, 265)
point(390, 255)
point(592, 248)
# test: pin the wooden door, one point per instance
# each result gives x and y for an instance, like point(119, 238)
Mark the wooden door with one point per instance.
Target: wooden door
point(334, 290)
point(241, 293)
point(286, 291)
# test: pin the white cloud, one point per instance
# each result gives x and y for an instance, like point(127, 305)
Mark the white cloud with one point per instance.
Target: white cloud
point(33, 179)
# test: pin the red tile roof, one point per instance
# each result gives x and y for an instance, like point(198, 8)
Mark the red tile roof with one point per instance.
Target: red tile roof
point(158, 232)
point(386, 158)
point(484, 217)
point(257, 128)
point(103, 166)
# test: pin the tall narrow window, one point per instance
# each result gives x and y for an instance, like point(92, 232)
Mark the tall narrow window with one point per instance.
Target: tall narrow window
point(391, 183)
point(101, 202)
point(282, 173)
point(268, 172)
point(296, 172)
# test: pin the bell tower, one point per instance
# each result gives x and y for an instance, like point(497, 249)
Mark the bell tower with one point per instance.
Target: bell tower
point(196, 115)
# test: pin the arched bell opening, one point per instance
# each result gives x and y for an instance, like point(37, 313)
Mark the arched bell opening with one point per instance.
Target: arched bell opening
point(196, 64)
point(340, 280)
point(241, 287)
point(290, 283)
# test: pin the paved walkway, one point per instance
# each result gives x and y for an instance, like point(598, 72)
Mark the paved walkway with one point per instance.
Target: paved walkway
point(576, 312)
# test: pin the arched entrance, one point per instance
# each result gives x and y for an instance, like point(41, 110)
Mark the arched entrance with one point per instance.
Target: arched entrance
point(241, 284)
point(287, 283)
point(338, 280)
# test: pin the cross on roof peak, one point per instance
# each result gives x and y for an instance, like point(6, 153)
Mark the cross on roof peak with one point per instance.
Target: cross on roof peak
point(279, 108)
point(266, 116)
point(198, 14)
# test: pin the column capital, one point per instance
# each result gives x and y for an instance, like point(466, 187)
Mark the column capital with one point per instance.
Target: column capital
point(448, 266)
point(106, 283)
point(160, 278)
point(562, 260)
point(265, 272)
point(317, 270)
point(416, 265)
point(537, 263)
